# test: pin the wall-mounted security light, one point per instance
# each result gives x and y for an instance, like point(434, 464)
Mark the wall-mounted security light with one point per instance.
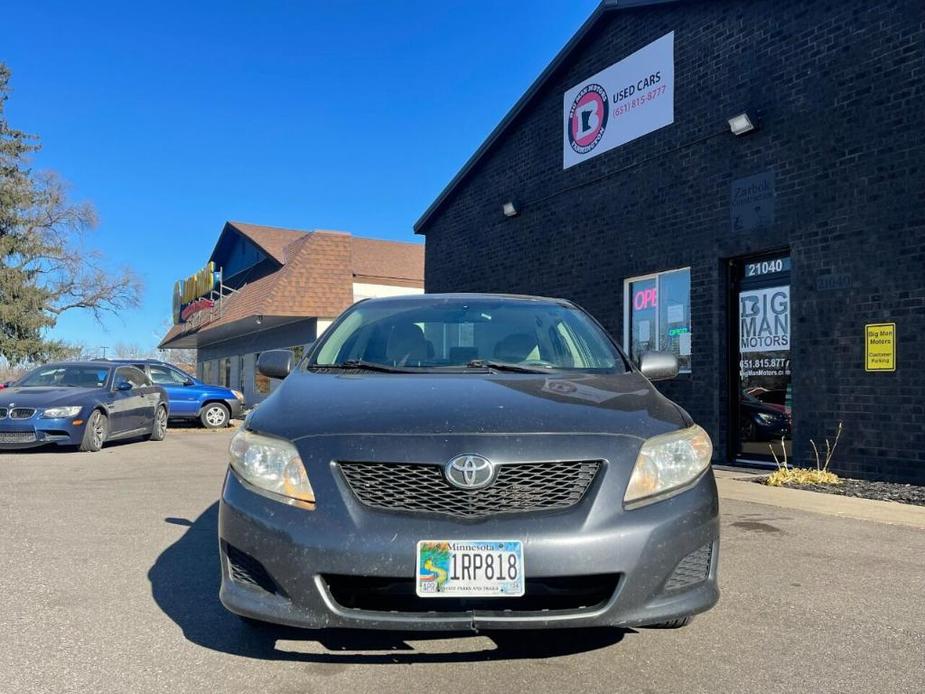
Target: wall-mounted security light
point(509, 209)
point(743, 123)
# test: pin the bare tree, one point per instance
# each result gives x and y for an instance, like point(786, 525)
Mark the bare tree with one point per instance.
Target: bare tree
point(132, 350)
point(184, 359)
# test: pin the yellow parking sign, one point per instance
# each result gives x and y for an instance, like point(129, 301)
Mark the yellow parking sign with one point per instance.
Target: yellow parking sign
point(880, 350)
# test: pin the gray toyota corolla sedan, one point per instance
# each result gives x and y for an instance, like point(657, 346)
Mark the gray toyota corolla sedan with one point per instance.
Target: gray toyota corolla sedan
point(468, 462)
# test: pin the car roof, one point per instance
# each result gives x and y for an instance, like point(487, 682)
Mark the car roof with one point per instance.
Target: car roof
point(132, 361)
point(58, 364)
point(468, 296)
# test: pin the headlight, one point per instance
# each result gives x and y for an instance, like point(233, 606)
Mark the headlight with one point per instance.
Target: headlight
point(238, 394)
point(59, 412)
point(768, 418)
point(270, 464)
point(669, 461)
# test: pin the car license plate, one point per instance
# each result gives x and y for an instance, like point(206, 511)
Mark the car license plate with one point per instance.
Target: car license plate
point(469, 568)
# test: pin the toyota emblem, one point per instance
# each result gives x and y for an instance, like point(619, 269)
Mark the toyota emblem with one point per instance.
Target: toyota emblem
point(470, 472)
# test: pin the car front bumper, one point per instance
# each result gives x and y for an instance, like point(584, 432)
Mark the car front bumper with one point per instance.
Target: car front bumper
point(19, 434)
point(236, 407)
point(297, 551)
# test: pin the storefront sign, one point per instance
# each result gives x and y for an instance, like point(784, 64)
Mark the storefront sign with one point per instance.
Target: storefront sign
point(760, 268)
point(620, 103)
point(190, 295)
point(880, 348)
point(752, 202)
point(645, 298)
point(764, 320)
point(195, 307)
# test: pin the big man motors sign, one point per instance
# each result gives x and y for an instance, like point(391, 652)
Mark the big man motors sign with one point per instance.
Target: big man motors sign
point(190, 296)
point(620, 103)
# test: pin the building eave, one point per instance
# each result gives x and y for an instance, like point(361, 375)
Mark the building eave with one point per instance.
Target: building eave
point(605, 7)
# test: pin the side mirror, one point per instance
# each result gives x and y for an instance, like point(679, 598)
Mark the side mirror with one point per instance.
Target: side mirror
point(124, 385)
point(658, 366)
point(188, 382)
point(275, 363)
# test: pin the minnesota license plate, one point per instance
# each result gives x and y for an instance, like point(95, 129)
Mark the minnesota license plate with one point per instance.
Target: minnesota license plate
point(469, 568)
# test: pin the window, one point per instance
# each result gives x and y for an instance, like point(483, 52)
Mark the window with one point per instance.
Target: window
point(210, 371)
point(131, 375)
point(658, 315)
point(165, 376)
point(70, 376)
point(452, 333)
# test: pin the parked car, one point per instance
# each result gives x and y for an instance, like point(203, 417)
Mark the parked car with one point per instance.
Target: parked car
point(468, 462)
point(190, 398)
point(762, 421)
point(83, 404)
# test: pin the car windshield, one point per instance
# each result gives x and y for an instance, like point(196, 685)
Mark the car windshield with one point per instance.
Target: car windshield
point(73, 376)
point(526, 335)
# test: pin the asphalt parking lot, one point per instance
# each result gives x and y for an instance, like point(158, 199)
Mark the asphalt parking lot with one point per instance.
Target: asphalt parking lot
point(109, 580)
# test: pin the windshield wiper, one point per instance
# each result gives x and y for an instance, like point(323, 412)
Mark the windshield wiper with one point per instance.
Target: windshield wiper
point(366, 366)
point(503, 366)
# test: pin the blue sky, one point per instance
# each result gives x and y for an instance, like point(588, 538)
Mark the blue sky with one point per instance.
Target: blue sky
point(174, 117)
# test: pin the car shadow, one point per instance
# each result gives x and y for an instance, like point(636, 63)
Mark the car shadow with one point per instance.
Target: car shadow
point(72, 449)
point(185, 581)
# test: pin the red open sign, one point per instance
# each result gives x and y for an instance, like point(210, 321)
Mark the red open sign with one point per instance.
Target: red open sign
point(645, 298)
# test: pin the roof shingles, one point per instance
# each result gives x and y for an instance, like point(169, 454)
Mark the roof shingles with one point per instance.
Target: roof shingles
point(316, 277)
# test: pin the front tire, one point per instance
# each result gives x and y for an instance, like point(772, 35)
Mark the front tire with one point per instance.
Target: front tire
point(95, 432)
point(215, 416)
point(159, 428)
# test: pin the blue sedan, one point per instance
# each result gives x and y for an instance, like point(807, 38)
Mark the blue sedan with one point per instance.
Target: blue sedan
point(83, 404)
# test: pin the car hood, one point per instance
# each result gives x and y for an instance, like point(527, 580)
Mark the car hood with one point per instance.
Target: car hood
point(313, 403)
point(41, 396)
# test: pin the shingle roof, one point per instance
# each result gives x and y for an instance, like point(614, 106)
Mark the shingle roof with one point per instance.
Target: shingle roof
point(375, 259)
point(316, 277)
point(272, 240)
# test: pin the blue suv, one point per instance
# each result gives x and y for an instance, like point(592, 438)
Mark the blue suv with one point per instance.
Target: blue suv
point(190, 398)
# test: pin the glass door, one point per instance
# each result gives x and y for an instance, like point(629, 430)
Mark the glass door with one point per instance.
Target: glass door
point(763, 387)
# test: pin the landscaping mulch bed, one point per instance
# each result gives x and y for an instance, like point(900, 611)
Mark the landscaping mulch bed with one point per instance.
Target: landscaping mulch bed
point(864, 489)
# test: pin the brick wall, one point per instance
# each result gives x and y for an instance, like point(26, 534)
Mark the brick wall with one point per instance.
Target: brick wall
point(839, 89)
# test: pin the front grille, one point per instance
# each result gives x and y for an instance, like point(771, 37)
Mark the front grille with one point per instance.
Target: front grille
point(22, 412)
point(17, 436)
point(541, 595)
point(245, 569)
point(3, 412)
point(691, 570)
point(518, 488)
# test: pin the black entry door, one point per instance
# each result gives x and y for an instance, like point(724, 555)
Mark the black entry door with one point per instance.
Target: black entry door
point(763, 395)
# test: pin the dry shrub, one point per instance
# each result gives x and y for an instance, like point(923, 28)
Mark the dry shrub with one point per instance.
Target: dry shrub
point(787, 475)
point(795, 475)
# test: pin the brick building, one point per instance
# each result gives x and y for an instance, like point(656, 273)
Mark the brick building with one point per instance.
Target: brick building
point(269, 288)
point(760, 258)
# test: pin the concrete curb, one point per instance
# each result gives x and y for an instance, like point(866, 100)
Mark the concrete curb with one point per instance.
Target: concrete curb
point(736, 486)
